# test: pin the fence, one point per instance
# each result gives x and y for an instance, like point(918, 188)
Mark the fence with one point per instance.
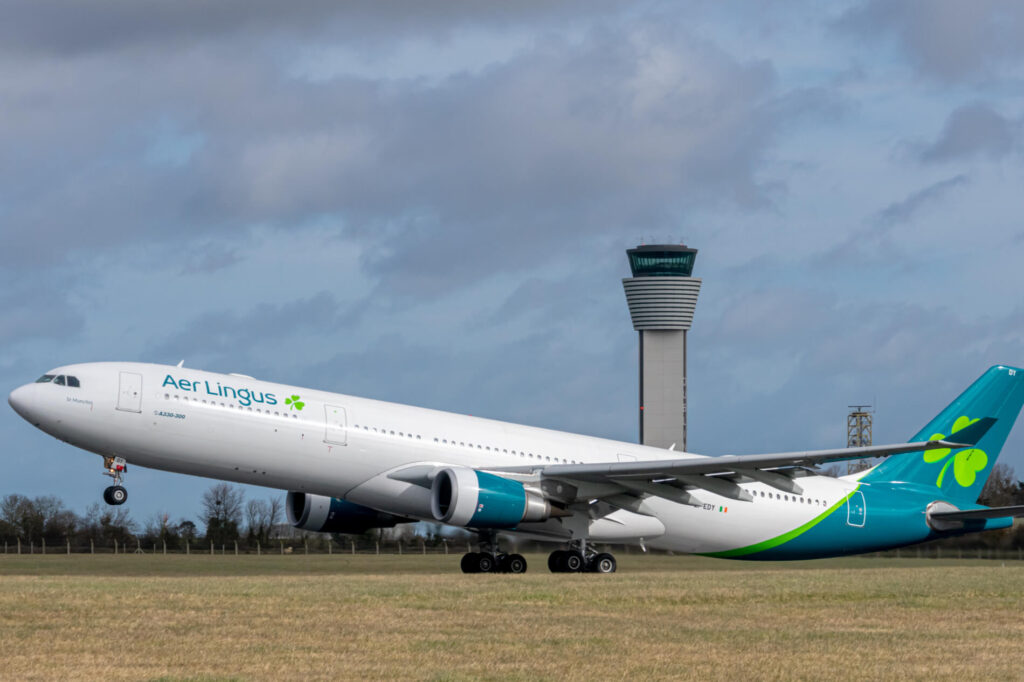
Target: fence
point(424, 547)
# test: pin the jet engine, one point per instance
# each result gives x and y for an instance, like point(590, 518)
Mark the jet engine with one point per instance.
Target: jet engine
point(335, 515)
point(461, 496)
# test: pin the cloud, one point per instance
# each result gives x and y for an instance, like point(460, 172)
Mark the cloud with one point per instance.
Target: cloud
point(616, 128)
point(903, 211)
point(970, 131)
point(72, 27)
point(945, 39)
point(226, 336)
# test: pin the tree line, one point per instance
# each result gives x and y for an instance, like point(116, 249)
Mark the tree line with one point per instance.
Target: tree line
point(226, 517)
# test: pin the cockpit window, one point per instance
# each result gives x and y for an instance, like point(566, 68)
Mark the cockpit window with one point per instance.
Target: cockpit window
point(59, 380)
point(73, 382)
point(45, 379)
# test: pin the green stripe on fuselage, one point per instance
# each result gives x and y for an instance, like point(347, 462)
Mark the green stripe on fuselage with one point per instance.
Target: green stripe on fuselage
point(785, 537)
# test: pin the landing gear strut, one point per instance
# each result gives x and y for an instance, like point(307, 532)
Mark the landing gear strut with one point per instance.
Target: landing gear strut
point(581, 558)
point(490, 559)
point(115, 468)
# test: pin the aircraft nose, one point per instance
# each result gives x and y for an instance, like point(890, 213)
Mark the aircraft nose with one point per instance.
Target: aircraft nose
point(19, 400)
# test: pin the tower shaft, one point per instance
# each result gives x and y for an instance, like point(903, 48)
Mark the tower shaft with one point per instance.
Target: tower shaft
point(662, 297)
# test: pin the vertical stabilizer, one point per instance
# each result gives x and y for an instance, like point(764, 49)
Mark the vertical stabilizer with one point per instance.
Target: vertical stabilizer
point(961, 474)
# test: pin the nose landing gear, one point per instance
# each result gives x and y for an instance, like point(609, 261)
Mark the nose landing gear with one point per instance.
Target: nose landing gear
point(115, 468)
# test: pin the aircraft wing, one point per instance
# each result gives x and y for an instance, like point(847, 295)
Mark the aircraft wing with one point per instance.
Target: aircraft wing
point(674, 478)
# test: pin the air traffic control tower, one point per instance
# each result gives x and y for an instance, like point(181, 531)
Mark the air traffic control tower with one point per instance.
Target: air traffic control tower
point(662, 297)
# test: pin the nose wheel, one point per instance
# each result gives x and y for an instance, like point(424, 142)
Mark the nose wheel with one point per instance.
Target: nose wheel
point(115, 495)
point(115, 468)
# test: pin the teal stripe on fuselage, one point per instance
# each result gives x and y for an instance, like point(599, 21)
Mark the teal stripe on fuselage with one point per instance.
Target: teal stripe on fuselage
point(894, 517)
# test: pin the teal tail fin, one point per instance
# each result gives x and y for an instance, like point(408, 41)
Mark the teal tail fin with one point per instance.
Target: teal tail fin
point(961, 474)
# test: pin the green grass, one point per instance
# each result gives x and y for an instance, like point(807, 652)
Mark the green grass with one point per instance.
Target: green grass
point(204, 617)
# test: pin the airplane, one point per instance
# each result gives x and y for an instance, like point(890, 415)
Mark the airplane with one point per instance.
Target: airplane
point(351, 464)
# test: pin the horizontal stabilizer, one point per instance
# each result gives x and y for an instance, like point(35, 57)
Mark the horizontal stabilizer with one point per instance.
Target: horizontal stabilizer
point(988, 513)
point(974, 433)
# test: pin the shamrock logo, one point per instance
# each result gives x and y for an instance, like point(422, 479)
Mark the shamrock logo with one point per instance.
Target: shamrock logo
point(294, 403)
point(966, 463)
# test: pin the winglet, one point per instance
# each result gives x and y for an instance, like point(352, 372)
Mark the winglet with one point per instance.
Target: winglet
point(970, 435)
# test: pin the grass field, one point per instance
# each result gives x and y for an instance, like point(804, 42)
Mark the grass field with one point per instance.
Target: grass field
point(415, 617)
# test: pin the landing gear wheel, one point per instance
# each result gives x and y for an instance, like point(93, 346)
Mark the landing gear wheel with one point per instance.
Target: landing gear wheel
point(485, 563)
point(603, 563)
point(573, 562)
point(469, 563)
point(515, 563)
point(115, 495)
point(555, 561)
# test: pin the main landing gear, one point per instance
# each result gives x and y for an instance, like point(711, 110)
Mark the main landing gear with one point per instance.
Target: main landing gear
point(581, 558)
point(115, 468)
point(490, 559)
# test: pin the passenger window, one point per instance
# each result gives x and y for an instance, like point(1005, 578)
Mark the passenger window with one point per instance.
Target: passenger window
point(45, 379)
point(73, 382)
point(59, 380)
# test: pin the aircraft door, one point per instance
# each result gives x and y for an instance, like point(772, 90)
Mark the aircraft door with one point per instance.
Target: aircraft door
point(334, 418)
point(856, 510)
point(129, 396)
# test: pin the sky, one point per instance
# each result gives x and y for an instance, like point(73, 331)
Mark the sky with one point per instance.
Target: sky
point(429, 203)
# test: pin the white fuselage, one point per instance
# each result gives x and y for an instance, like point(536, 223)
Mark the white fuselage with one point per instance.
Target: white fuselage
point(194, 422)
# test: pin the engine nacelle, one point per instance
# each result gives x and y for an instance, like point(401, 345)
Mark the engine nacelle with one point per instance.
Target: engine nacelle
point(461, 496)
point(335, 515)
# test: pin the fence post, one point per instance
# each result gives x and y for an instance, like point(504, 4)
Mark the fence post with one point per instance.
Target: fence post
point(223, 550)
point(211, 549)
point(115, 545)
point(257, 548)
point(378, 548)
point(44, 545)
point(186, 548)
point(236, 547)
point(165, 546)
point(445, 546)
point(69, 546)
point(92, 546)
point(353, 547)
point(19, 545)
point(305, 543)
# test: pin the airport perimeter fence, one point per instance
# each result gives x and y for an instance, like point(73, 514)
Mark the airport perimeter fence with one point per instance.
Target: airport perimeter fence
point(422, 547)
